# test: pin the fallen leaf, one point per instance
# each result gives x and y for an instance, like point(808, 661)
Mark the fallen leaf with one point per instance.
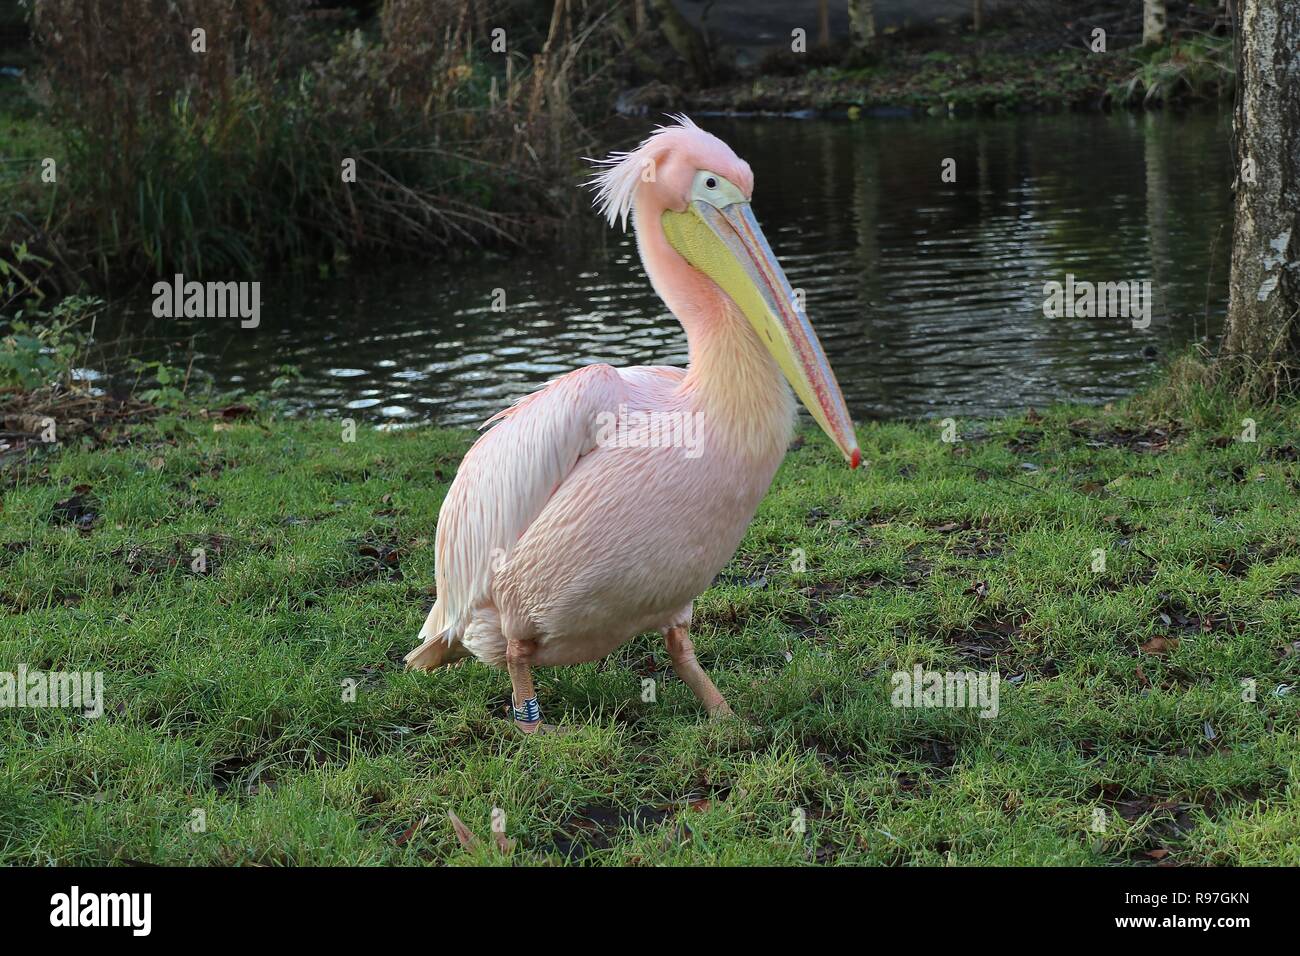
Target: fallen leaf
point(463, 833)
point(1160, 645)
point(412, 830)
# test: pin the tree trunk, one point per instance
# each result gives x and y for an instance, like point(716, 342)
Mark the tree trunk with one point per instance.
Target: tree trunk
point(1157, 181)
point(862, 25)
point(1153, 22)
point(685, 40)
point(629, 37)
point(866, 222)
point(823, 22)
point(1260, 353)
point(977, 16)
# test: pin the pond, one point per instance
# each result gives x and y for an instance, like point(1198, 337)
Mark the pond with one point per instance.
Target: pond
point(928, 295)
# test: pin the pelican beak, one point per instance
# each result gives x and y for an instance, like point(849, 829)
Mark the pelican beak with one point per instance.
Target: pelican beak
point(727, 245)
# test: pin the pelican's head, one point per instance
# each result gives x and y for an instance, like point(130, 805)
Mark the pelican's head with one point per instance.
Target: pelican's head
point(701, 192)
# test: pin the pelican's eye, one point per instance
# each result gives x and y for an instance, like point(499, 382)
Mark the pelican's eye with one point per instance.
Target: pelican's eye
point(715, 190)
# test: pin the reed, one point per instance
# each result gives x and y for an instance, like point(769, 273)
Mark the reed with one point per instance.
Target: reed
point(227, 160)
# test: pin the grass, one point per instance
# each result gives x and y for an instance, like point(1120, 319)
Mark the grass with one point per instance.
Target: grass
point(1199, 66)
point(26, 138)
point(992, 73)
point(225, 690)
point(999, 71)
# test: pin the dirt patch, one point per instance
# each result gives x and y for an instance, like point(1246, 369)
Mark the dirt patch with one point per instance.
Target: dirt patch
point(913, 573)
point(987, 643)
point(52, 416)
point(823, 590)
point(81, 510)
point(936, 754)
point(1176, 618)
point(200, 555)
point(809, 628)
point(11, 549)
point(594, 826)
point(1164, 823)
point(1025, 441)
point(374, 558)
point(1135, 578)
point(745, 577)
point(1288, 586)
point(1234, 564)
point(241, 775)
point(978, 545)
point(210, 464)
point(823, 517)
point(1150, 439)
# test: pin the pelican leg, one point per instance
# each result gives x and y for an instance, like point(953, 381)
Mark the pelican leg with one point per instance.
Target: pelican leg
point(519, 657)
point(692, 674)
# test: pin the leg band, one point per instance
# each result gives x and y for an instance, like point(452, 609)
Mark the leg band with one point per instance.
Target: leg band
point(529, 713)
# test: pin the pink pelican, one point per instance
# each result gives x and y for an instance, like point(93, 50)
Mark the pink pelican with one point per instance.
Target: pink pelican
point(573, 525)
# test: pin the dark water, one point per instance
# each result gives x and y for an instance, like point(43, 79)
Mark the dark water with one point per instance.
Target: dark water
point(927, 295)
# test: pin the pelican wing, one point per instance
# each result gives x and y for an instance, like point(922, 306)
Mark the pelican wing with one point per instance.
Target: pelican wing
point(502, 485)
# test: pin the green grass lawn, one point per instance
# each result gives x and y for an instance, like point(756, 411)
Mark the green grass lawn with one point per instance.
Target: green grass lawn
point(1122, 735)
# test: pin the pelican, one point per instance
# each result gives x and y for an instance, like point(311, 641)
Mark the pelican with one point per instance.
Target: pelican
point(600, 506)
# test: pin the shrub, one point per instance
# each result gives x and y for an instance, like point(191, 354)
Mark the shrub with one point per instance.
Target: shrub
point(219, 162)
point(1196, 67)
point(40, 348)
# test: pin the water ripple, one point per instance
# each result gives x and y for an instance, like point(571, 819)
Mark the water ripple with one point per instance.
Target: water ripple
point(927, 295)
